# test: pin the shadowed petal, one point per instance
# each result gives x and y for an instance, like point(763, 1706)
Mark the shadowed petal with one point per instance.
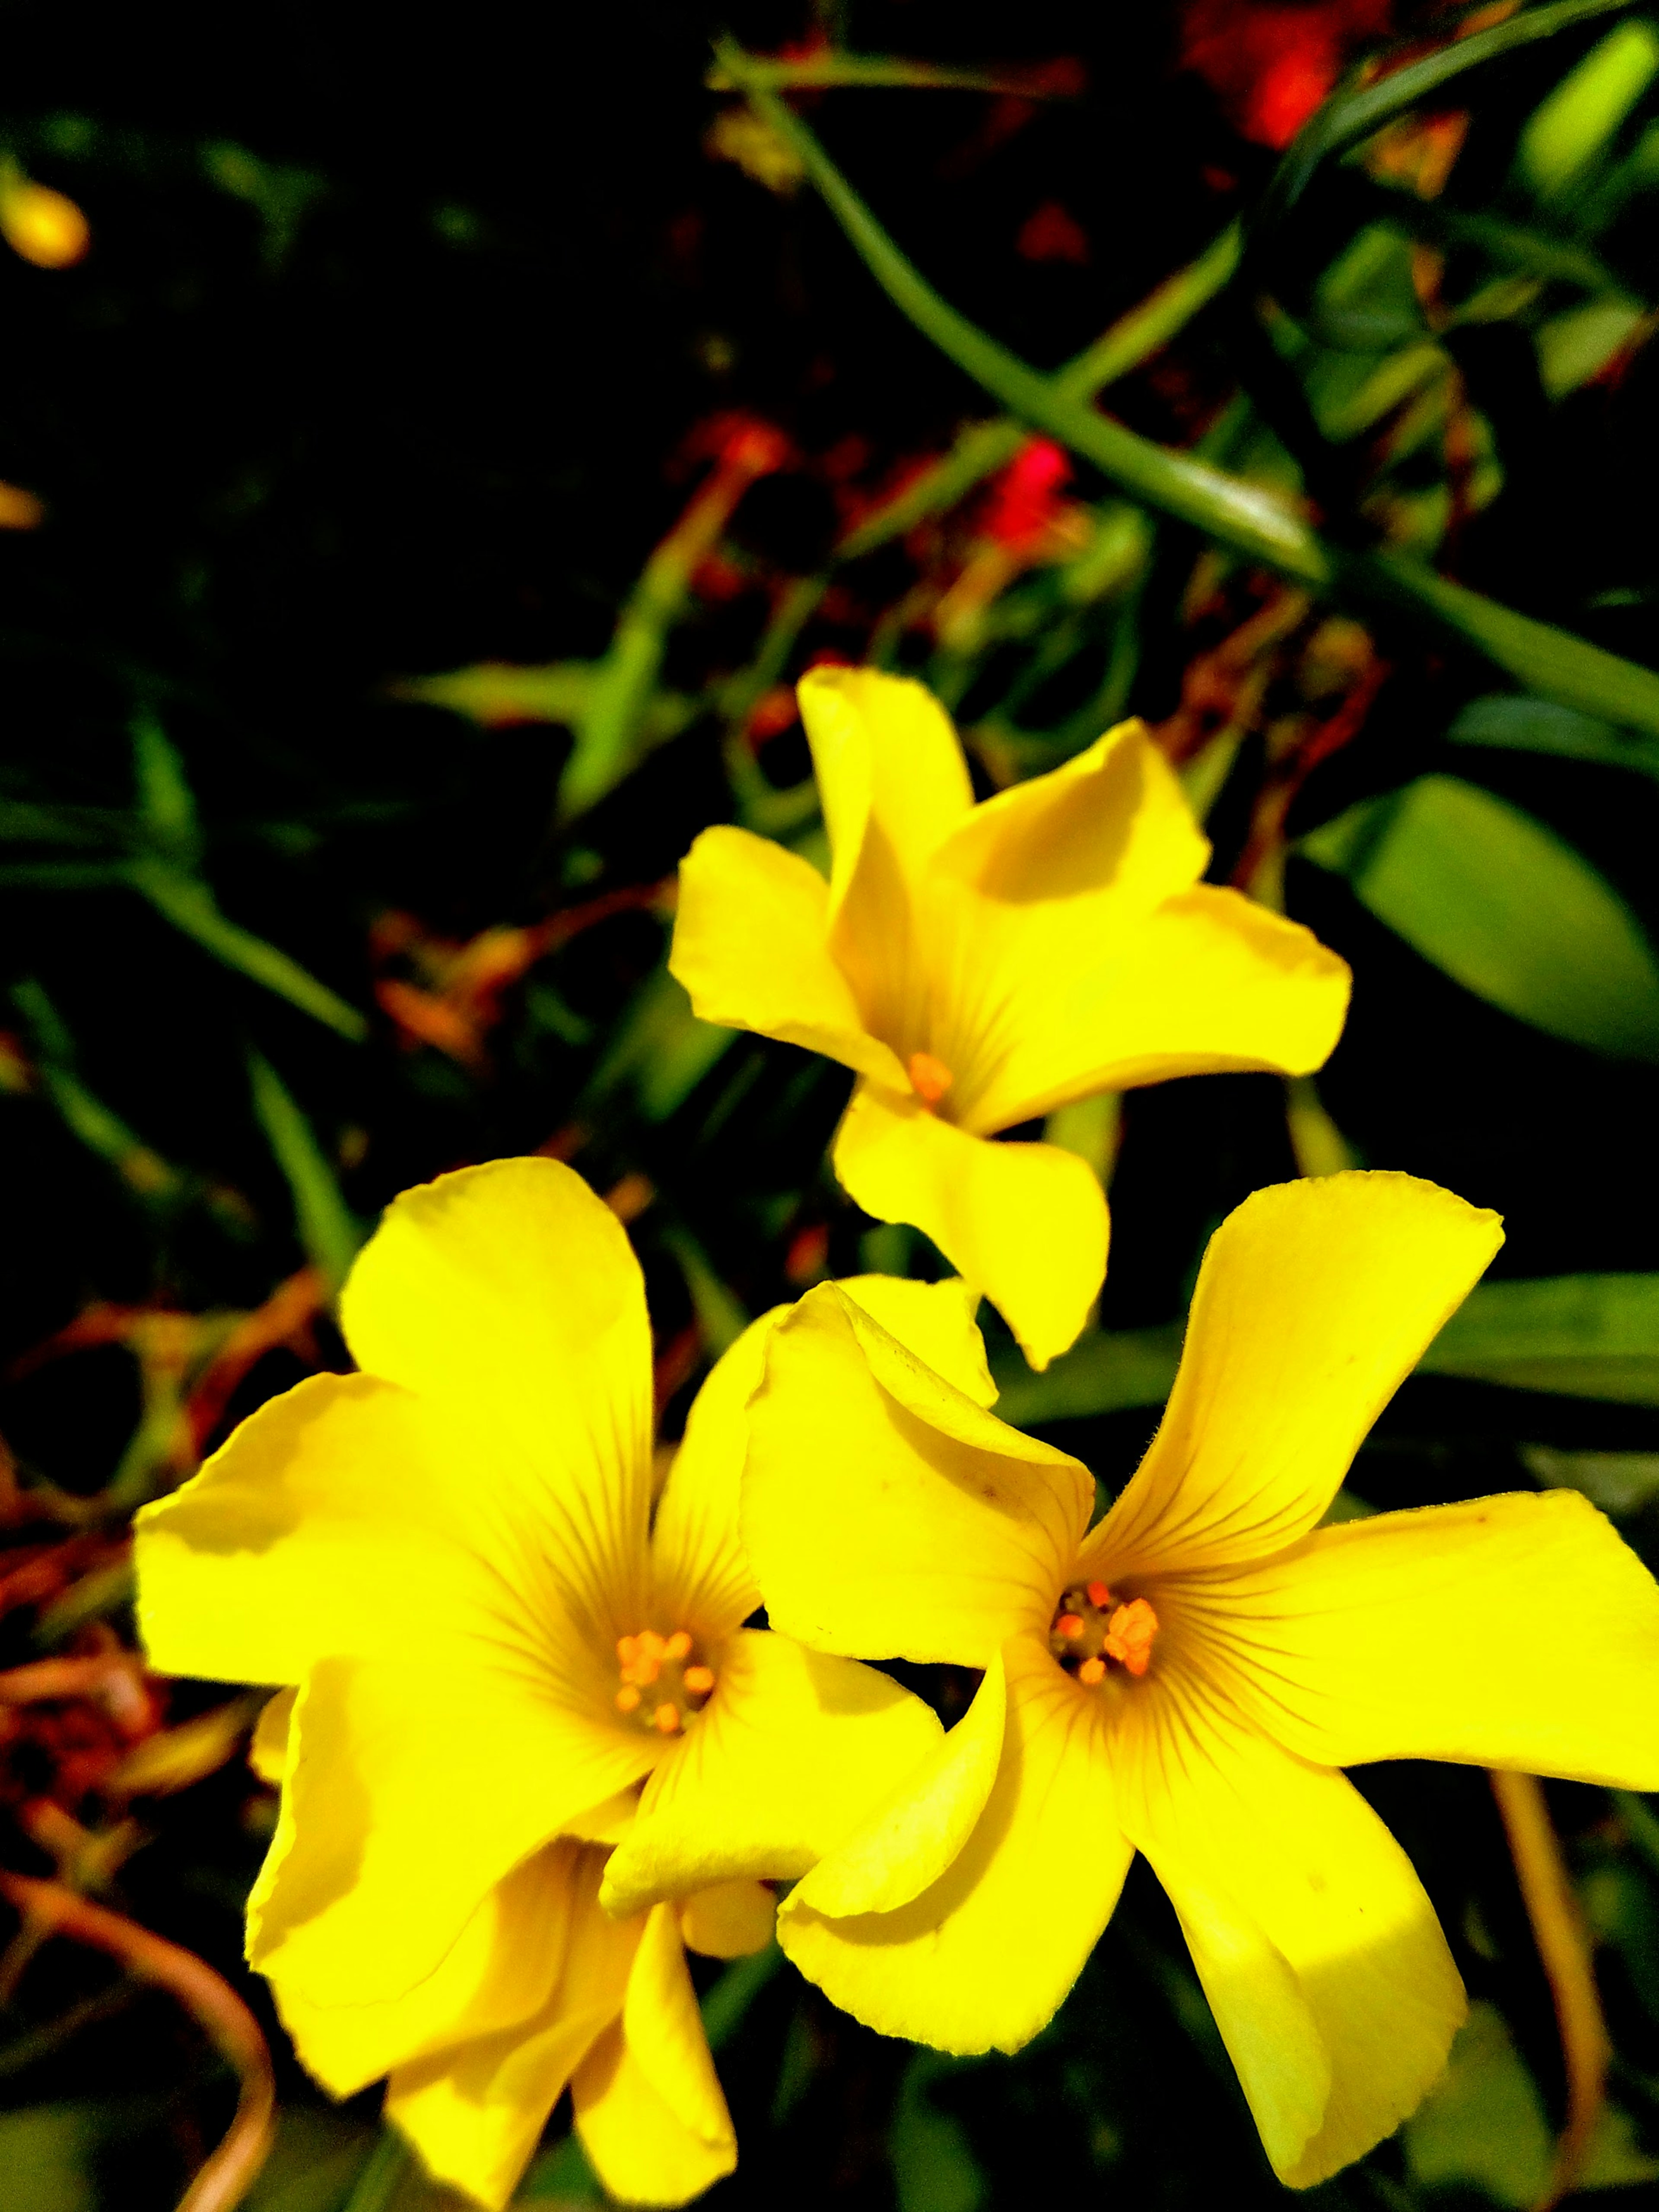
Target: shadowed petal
point(1321, 1956)
point(1024, 1224)
point(1314, 1301)
point(648, 2104)
point(476, 2111)
point(886, 1514)
point(751, 946)
point(789, 1755)
point(411, 1791)
point(982, 1959)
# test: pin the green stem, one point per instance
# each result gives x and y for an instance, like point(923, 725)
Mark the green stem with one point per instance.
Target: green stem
point(1235, 514)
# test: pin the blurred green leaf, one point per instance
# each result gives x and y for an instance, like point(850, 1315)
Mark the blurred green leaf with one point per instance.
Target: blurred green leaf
point(659, 1048)
point(1578, 344)
point(1507, 909)
point(725, 2005)
point(191, 907)
point(1354, 114)
point(1582, 1336)
point(934, 2169)
point(1619, 1482)
point(45, 2158)
point(330, 1233)
point(166, 805)
point(1484, 2124)
point(720, 1316)
point(315, 2161)
point(1567, 131)
point(1104, 1373)
point(1516, 723)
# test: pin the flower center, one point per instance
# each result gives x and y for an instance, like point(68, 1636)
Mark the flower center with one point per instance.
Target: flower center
point(664, 1682)
point(1092, 1629)
point(930, 1079)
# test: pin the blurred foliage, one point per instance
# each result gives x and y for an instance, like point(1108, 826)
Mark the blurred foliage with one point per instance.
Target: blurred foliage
point(428, 461)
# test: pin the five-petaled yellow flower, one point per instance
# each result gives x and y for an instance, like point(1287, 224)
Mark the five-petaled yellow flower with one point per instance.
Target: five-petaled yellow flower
point(1186, 1678)
point(979, 965)
point(453, 1557)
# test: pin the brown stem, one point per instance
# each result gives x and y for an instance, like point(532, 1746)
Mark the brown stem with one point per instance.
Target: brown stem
point(1558, 1931)
point(229, 2173)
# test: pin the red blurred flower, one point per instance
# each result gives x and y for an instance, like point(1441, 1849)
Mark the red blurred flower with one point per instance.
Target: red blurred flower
point(1051, 233)
point(1272, 62)
point(1024, 499)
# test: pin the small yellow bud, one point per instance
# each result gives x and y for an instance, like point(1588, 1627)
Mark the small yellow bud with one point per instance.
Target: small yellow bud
point(45, 227)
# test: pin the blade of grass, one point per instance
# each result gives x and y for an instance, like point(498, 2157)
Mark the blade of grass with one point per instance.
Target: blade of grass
point(329, 1230)
point(191, 907)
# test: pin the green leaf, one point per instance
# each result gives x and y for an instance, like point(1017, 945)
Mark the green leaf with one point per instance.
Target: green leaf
point(329, 1230)
point(1504, 907)
point(1518, 723)
point(660, 1048)
point(1105, 1373)
point(1619, 1482)
point(1582, 1336)
point(191, 907)
point(934, 2169)
point(1578, 344)
point(46, 2155)
point(1566, 132)
point(166, 805)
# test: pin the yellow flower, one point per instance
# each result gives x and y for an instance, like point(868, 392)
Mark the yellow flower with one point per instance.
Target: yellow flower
point(979, 966)
point(454, 1557)
point(1185, 1679)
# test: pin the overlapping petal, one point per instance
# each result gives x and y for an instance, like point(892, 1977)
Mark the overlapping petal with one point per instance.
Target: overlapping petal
point(789, 1755)
point(751, 946)
point(1207, 984)
point(1320, 1953)
point(648, 2104)
point(886, 1514)
point(698, 1562)
point(345, 1517)
point(412, 1791)
point(1314, 1301)
point(983, 1957)
point(474, 2110)
point(507, 1294)
point(1024, 1223)
point(1517, 1631)
point(499, 1972)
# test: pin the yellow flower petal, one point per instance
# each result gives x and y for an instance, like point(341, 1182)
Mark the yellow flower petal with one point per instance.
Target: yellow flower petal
point(1314, 1302)
point(1112, 827)
point(1210, 982)
point(891, 773)
point(910, 1841)
point(982, 1960)
point(1024, 1224)
point(413, 1791)
point(475, 2112)
point(730, 1921)
point(1510, 1632)
point(934, 1320)
point(508, 1295)
point(1321, 1956)
point(886, 1514)
point(648, 2104)
point(751, 946)
point(700, 1568)
point(502, 1969)
point(267, 1751)
point(790, 1754)
point(343, 1517)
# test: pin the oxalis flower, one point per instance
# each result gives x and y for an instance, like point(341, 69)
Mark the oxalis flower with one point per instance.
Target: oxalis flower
point(1186, 1678)
point(979, 966)
point(454, 1557)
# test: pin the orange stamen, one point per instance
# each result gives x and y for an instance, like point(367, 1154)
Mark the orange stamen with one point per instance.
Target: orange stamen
point(678, 1645)
point(628, 1698)
point(627, 1649)
point(698, 1680)
point(1070, 1625)
point(1129, 1635)
point(1099, 1595)
point(930, 1077)
point(1092, 1671)
point(666, 1719)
